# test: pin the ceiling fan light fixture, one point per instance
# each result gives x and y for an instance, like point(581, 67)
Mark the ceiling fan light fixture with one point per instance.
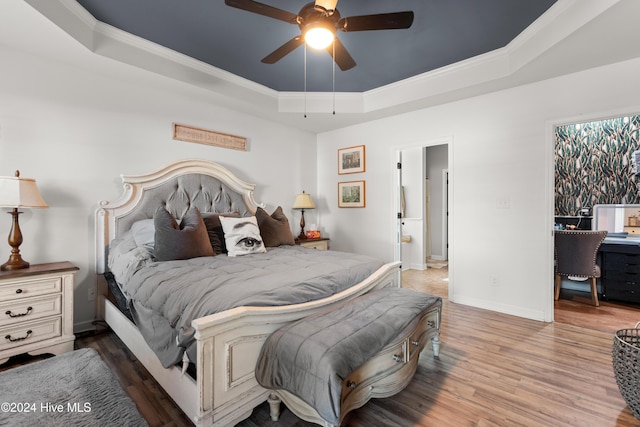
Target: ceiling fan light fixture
point(319, 21)
point(319, 37)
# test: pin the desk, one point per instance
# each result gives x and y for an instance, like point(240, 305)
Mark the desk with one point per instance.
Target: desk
point(620, 269)
point(580, 222)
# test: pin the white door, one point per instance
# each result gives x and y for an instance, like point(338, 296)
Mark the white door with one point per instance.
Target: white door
point(399, 202)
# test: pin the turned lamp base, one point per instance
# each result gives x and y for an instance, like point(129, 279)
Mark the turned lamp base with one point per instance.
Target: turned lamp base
point(15, 261)
point(302, 235)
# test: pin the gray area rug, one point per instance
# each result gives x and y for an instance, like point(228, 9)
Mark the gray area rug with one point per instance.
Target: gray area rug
point(73, 389)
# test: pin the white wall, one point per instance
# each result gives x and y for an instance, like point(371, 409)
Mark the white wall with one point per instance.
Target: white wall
point(75, 130)
point(501, 153)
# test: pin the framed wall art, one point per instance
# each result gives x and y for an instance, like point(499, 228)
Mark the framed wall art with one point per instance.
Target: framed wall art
point(351, 160)
point(351, 194)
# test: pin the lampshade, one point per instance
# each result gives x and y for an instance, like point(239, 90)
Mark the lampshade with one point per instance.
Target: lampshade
point(17, 192)
point(303, 201)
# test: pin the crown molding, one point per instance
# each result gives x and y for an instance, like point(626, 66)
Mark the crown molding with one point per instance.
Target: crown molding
point(495, 70)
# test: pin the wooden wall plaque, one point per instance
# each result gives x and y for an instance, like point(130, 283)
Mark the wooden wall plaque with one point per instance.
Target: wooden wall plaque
point(209, 137)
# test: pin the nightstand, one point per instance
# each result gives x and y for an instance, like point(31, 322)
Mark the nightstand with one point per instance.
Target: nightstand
point(321, 244)
point(36, 310)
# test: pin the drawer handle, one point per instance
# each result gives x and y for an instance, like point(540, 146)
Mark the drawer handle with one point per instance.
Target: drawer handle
point(18, 291)
point(415, 342)
point(351, 384)
point(10, 314)
point(8, 337)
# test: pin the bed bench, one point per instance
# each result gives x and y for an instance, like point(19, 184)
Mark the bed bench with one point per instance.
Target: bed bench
point(330, 363)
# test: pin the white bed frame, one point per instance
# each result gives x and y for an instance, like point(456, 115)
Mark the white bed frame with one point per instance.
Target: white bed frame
point(228, 343)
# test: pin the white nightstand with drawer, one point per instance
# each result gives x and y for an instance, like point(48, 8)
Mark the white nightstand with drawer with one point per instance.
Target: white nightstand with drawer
point(36, 310)
point(321, 244)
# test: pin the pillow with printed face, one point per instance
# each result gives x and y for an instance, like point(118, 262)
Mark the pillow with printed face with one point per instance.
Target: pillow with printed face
point(214, 228)
point(274, 228)
point(174, 241)
point(242, 236)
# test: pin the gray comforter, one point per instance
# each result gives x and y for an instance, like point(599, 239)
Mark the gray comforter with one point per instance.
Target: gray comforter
point(166, 296)
point(311, 358)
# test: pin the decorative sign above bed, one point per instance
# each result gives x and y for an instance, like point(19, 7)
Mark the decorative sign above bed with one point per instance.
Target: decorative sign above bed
point(209, 137)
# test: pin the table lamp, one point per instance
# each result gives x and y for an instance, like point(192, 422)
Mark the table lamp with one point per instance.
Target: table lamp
point(17, 192)
point(303, 201)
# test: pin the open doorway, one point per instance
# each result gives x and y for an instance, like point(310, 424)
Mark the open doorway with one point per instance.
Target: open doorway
point(593, 165)
point(424, 226)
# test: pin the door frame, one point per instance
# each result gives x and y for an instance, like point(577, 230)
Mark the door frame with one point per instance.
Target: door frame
point(396, 154)
point(445, 214)
point(551, 126)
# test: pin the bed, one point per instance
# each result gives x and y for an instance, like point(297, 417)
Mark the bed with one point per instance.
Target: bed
point(222, 389)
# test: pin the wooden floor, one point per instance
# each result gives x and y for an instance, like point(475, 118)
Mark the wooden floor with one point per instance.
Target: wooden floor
point(493, 370)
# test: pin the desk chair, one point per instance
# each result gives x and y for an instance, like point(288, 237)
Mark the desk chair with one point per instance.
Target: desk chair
point(575, 255)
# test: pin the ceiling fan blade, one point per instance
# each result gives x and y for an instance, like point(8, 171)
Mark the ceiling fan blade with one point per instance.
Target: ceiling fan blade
point(342, 57)
point(263, 9)
point(382, 21)
point(283, 50)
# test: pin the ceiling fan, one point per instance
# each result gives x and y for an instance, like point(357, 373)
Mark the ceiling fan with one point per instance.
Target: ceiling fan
point(323, 19)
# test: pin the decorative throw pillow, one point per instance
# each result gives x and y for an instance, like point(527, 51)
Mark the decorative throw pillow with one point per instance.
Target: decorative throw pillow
point(242, 235)
point(274, 229)
point(214, 229)
point(184, 241)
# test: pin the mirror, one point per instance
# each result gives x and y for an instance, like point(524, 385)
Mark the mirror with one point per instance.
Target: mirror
point(618, 220)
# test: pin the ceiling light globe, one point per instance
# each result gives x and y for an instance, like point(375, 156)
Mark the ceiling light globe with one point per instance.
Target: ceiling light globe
point(319, 38)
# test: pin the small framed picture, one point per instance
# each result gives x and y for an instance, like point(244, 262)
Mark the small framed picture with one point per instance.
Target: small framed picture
point(351, 194)
point(351, 160)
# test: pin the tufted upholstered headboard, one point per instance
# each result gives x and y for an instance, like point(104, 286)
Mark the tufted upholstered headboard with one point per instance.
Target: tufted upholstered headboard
point(178, 186)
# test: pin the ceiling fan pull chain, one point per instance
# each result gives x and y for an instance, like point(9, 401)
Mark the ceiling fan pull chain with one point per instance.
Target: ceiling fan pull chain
point(334, 77)
point(305, 81)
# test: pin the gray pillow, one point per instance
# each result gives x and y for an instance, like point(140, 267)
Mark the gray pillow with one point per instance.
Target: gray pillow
point(242, 236)
point(274, 228)
point(184, 241)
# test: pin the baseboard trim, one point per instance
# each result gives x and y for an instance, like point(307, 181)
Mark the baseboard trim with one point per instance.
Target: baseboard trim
point(84, 327)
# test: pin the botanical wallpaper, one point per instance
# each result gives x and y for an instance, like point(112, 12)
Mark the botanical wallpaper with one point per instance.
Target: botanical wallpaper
point(593, 164)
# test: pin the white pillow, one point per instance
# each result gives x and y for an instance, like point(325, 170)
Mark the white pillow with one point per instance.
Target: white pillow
point(144, 233)
point(242, 235)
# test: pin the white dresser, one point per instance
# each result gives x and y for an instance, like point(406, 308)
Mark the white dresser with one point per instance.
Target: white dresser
point(36, 310)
